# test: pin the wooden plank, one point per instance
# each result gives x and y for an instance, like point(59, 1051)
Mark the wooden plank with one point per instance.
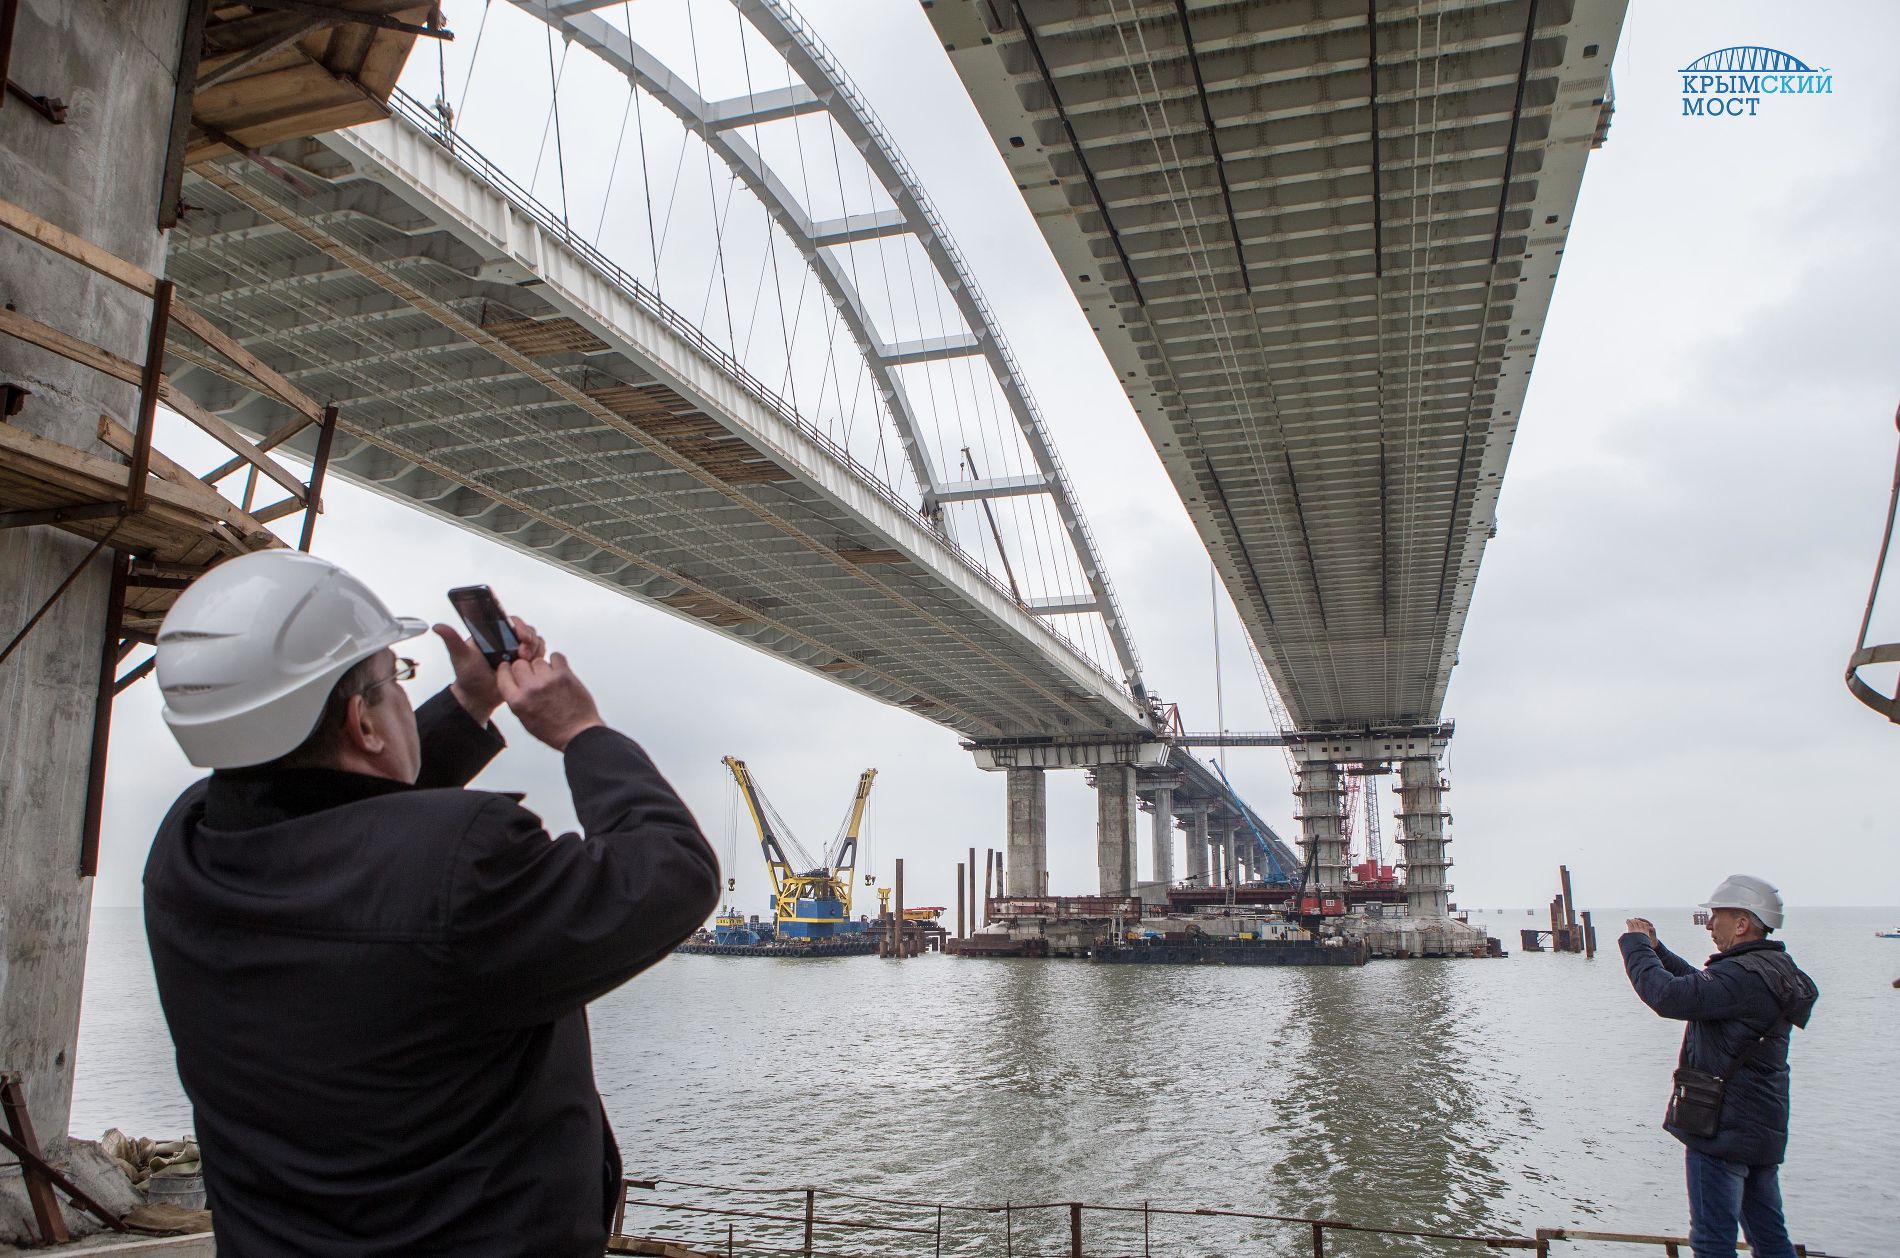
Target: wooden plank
point(273, 381)
point(271, 441)
point(121, 439)
point(277, 53)
point(211, 502)
point(290, 126)
point(232, 439)
point(33, 332)
point(24, 222)
point(229, 106)
point(277, 510)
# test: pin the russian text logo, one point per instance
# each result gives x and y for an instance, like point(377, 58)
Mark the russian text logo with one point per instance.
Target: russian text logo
point(1732, 82)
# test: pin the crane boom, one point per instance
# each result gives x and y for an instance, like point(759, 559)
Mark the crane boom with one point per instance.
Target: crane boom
point(809, 900)
point(775, 861)
point(842, 860)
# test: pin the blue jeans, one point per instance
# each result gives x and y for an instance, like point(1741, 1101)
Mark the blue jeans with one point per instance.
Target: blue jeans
point(1723, 1195)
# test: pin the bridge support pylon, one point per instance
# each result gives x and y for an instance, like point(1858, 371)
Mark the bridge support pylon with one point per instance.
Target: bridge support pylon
point(1422, 818)
point(1026, 864)
point(1320, 831)
point(1197, 845)
point(1164, 836)
point(1115, 825)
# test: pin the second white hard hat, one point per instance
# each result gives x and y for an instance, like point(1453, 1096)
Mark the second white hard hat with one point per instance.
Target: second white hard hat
point(251, 650)
point(1744, 891)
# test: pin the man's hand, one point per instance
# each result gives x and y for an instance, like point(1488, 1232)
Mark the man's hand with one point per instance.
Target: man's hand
point(548, 699)
point(474, 685)
point(1641, 926)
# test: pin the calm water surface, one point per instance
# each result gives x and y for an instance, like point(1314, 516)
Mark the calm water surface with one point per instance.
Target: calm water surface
point(1459, 1095)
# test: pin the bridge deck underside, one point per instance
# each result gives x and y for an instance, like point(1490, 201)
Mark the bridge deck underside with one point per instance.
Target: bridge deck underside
point(566, 447)
point(1317, 240)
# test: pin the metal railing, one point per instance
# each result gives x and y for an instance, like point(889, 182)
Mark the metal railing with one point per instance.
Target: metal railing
point(424, 119)
point(911, 1227)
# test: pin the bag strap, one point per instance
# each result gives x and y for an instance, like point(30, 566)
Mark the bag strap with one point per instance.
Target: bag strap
point(1748, 1052)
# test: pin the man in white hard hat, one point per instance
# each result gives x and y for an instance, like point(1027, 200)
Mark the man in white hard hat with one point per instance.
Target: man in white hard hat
point(1730, 1105)
point(375, 979)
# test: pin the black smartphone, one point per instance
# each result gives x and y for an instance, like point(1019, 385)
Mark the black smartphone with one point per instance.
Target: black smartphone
point(488, 625)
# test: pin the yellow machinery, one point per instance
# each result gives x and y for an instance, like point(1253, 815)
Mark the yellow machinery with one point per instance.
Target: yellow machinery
point(810, 900)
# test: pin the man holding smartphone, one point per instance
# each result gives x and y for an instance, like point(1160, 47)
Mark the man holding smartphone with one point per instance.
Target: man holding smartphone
point(1731, 1100)
point(375, 979)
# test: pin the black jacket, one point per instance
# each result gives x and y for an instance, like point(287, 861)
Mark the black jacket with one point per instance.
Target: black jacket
point(1744, 992)
point(377, 992)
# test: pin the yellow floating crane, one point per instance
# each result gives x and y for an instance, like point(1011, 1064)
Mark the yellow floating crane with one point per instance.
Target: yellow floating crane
point(810, 899)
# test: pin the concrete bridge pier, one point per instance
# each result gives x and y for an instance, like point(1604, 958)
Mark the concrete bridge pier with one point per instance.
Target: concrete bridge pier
point(1164, 836)
point(1422, 820)
point(97, 175)
point(1320, 825)
point(1116, 809)
point(1026, 846)
point(1232, 852)
point(1217, 854)
point(1197, 845)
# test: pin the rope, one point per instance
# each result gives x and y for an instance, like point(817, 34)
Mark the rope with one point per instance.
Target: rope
point(1863, 655)
point(554, 117)
point(646, 173)
point(474, 53)
point(719, 227)
point(1886, 542)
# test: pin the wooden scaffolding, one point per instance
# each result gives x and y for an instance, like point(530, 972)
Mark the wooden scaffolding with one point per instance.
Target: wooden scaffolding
point(163, 524)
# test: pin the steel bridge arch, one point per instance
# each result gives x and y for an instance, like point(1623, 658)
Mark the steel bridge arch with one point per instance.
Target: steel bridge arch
point(1749, 59)
point(825, 87)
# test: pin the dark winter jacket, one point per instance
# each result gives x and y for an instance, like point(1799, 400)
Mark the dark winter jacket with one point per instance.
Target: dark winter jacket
point(377, 992)
point(1751, 989)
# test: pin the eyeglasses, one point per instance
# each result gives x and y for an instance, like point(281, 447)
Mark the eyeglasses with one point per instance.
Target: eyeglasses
point(405, 671)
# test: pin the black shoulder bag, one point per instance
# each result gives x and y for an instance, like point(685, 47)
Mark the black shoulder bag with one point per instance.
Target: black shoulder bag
point(1695, 1102)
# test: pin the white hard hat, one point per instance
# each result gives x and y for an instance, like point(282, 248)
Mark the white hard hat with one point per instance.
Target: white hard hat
point(1744, 891)
point(251, 650)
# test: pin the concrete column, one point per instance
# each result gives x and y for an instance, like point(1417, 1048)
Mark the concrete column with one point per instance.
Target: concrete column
point(1026, 856)
point(1319, 824)
point(1197, 846)
point(1246, 855)
point(1164, 835)
point(1115, 826)
point(98, 176)
point(1422, 836)
point(1217, 854)
point(1232, 852)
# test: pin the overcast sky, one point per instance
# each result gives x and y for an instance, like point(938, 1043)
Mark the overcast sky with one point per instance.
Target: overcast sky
point(1650, 686)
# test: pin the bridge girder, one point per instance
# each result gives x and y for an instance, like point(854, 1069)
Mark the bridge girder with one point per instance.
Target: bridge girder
point(1317, 243)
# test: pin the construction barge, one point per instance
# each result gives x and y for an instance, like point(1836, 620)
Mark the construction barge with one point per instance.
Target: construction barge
point(1259, 929)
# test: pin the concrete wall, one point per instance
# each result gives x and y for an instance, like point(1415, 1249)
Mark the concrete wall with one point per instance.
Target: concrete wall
point(112, 61)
